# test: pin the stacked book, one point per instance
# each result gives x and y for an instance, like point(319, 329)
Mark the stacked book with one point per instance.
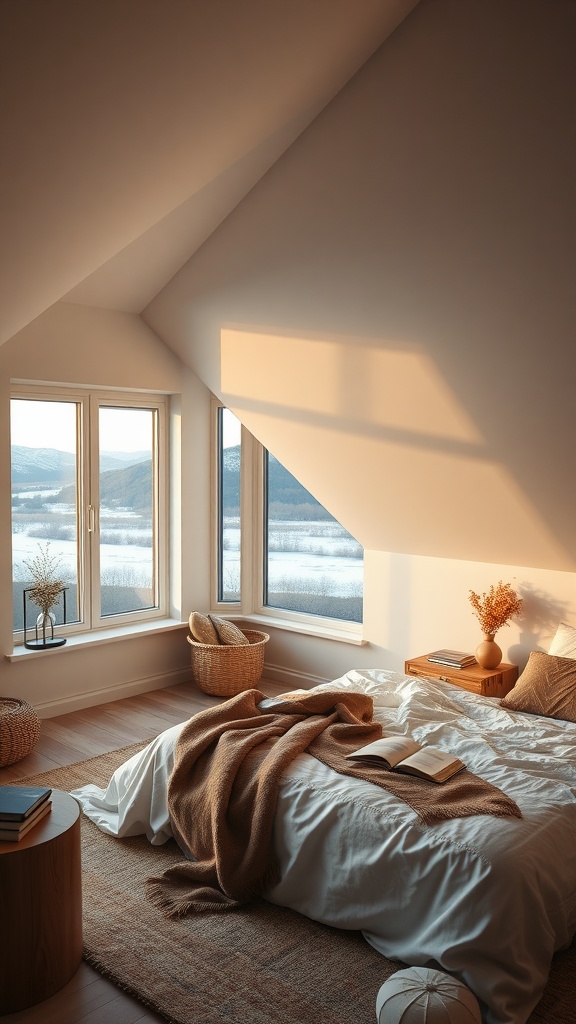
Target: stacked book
point(452, 659)
point(22, 807)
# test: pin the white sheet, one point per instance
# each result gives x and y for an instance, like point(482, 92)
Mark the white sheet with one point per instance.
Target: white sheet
point(486, 899)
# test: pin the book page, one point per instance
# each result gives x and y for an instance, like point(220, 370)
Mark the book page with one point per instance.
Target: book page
point(390, 749)
point(431, 761)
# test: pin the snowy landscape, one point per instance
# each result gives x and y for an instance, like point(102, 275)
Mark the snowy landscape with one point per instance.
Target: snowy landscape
point(313, 563)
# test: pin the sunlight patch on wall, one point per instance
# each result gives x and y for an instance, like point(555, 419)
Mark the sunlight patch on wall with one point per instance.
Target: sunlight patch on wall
point(378, 436)
point(391, 385)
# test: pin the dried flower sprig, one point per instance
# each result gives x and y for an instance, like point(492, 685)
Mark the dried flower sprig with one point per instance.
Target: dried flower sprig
point(494, 609)
point(47, 585)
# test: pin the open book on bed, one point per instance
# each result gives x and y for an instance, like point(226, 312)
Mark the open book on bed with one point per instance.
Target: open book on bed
point(403, 754)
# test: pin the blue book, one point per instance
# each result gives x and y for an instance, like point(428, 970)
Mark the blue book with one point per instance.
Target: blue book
point(18, 802)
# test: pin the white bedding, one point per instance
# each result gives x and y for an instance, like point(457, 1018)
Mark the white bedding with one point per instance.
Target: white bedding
point(486, 899)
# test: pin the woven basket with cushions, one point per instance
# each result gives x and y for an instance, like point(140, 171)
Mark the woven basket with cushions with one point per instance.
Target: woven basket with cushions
point(225, 659)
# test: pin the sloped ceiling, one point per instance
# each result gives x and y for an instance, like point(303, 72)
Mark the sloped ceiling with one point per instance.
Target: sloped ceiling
point(385, 299)
point(391, 309)
point(131, 128)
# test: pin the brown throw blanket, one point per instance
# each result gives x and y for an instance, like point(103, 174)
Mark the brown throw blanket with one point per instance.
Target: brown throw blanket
point(223, 790)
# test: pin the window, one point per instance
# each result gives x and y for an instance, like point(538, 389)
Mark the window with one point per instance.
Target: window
point(304, 563)
point(88, 496)
point(228, 497)
point(311, 563)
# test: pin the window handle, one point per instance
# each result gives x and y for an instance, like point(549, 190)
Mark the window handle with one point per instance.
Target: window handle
point(91, 518)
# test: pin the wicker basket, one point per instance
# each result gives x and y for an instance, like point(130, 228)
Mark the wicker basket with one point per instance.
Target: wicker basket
point(19, 729)
point(226, 669)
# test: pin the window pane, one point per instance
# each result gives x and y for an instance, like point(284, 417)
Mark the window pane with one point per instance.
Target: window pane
point(229, 433)
point(312, 564)
point(44, 501)
point(127, 482)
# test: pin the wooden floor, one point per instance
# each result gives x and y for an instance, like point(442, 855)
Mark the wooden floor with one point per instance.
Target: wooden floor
point(89, 998)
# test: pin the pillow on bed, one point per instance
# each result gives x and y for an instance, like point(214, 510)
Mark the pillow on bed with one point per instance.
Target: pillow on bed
point(564, 643)
point(547, 686)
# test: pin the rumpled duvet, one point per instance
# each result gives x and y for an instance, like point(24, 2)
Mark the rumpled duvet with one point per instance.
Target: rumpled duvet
point(224, 786)
point(486, 899)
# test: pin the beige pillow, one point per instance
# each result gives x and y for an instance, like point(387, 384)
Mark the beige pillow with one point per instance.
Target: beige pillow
point(202, 629)
point(564, 643)
point(547, 686)
point(227, 632)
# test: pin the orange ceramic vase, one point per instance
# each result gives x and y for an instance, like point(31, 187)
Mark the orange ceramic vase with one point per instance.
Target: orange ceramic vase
point(488, 654)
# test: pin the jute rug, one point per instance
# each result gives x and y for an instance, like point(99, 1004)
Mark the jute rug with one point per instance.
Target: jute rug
point(259, 965)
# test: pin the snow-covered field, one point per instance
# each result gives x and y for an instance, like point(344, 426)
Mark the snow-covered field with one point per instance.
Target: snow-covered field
point(303, 557)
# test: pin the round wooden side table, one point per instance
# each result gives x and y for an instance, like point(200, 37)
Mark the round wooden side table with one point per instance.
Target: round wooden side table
point(41, 900)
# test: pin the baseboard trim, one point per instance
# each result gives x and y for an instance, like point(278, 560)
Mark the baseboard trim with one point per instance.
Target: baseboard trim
point(290, 678)
point(293, 679)
point(105, 694)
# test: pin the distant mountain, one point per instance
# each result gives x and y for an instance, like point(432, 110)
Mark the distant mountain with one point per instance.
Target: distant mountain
point(45, 466)
point(287, 498)
point(232, 459)
point(231, 478)
point(42, 465)
point(117, 460)
point(130, 487)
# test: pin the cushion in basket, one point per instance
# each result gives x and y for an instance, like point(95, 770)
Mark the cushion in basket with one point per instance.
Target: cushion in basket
point(547, 686)
point(227, 632)
point(564, 643)
point(202, 629)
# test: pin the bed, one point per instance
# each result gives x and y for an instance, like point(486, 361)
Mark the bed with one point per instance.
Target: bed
point(488, 900)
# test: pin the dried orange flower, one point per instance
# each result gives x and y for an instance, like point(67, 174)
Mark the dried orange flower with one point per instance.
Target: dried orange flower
point(494, 609)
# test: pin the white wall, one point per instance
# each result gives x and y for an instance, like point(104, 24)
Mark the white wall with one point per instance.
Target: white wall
point(404, 274)
point(414, 605)
point(76, 345)
point(391, 309)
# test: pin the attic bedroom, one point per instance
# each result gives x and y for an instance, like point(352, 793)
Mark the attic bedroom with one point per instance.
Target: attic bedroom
point(368, 261)
point(348, 227)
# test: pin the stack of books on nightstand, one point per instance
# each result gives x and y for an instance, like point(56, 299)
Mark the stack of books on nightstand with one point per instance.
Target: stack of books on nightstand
point(452, 659)
point(21, 807)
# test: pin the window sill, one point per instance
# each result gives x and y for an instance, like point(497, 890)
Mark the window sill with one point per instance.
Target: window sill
point(101, 636)
point(343, 634)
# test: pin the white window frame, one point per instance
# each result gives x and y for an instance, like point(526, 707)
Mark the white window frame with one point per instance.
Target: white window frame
point(89, 402)
point(252, 548)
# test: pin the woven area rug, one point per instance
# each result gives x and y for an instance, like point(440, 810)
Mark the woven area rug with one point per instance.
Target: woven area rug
point(261, 964)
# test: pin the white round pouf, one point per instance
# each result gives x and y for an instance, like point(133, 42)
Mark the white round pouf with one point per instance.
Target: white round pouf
point(420, 995)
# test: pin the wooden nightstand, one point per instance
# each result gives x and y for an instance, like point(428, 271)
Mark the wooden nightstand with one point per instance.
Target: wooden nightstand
point(489, 682)
point(41, 897)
